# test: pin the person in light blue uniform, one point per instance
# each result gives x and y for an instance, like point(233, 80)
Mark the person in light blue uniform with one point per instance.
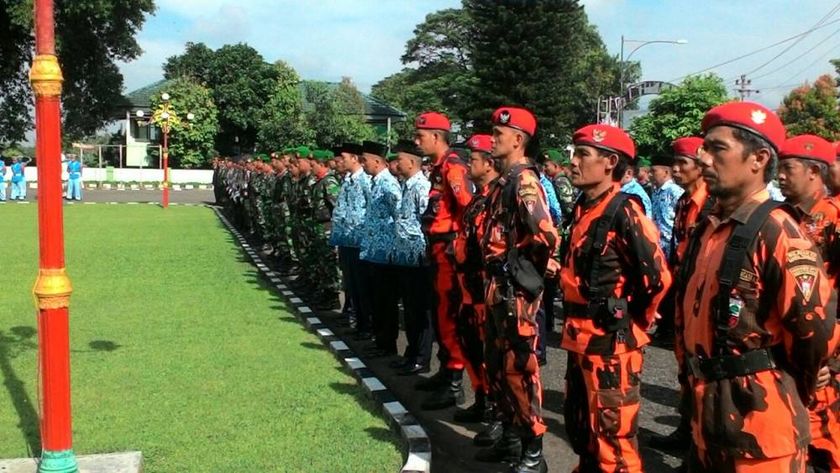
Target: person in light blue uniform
point(377, 243)
point(74, 179)
point(551, 197)
point(629, 185)
point(347, 219)
point(2, 180)
point(666, 193)
point(411, 262)
point(18, 179)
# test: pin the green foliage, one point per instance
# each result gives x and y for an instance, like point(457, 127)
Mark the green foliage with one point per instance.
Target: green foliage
point(190, 141)
point(812, 109)
point(241, 82)
point(282, 122)
point(186, 356)
point(335, 114)
point(676, 113)
point(91, 36)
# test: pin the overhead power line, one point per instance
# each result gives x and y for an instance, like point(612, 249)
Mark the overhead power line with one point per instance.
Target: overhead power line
point(752, 53)
point(798, 40)
point(824, 40)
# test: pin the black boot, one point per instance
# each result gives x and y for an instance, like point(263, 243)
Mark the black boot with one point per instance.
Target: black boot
point(434, 382)
point(474, 413)
point(448, 395)
point(507, 449)
point(532, 460)
point(679, 439)
point(490, 435)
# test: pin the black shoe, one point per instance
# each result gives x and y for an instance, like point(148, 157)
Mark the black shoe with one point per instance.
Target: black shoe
point(399, 364)
point(489, 435)
point(474, 413)
point(679, 439)
point(414, 369)
point(508, 449)
point(362, 335)
point(433, 383)
point(532, 460)
point(328, 303)
point(448, 395)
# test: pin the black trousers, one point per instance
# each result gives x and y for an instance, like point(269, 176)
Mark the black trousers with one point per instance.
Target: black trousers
point(383, 298)
point(416, 293)
point(348, 260)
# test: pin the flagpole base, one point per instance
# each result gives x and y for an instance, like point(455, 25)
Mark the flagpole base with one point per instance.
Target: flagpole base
point(63, 461)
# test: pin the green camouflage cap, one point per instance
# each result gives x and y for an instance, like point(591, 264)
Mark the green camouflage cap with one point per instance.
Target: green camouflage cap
point(643, 163)
point(391, 156)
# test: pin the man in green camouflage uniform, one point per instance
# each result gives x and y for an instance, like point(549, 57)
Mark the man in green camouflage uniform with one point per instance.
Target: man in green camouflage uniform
point(557, 169)
point(323, 258)
point(300, 216)
point(280, 211)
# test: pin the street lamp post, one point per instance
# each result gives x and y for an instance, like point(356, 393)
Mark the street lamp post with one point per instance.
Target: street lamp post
point(52, 288)
point(622, 67)
point(165, 117)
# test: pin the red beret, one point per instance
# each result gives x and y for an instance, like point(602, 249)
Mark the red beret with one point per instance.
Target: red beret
point(606, 137)
point(748, 116)
point(837, 148)
point(514, 117)
point(432, 121)
point(482, 143)
point(808, 147)
point(687, 146)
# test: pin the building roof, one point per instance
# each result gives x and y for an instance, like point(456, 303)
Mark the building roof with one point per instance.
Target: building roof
point(142, 98)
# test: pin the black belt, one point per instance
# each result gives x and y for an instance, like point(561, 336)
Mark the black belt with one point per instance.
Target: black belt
point(731, 366)
point(438, 237)
point(580, 311)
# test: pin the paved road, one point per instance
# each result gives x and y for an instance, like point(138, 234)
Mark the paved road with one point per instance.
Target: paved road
point(194, 196)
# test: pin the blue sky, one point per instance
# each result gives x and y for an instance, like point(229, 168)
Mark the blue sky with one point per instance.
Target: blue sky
point(364, 39)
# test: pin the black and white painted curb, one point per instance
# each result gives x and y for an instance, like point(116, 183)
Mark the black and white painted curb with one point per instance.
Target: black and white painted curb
point(80, 202)
point(419, 456)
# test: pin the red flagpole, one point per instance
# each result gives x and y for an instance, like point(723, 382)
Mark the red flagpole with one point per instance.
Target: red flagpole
point(52, 288)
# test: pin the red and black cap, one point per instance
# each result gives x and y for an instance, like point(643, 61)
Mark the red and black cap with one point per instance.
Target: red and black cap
point(432, 121)
point(752, 117)
point(688, 146)
point(808, 147)
point(482, 143)
point(517, 118)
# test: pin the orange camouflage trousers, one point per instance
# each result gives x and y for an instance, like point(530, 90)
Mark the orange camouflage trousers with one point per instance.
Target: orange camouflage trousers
point(512, 367)
point(824, 416)
point(471, 326)
point(720, 462)
point(447, 302)
point(601, 411)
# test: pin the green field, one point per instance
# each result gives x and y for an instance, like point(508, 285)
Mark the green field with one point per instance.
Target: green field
point(179, 350)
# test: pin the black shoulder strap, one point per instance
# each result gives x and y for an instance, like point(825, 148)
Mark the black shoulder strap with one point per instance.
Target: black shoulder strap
point(598, 239)
point(708, 205)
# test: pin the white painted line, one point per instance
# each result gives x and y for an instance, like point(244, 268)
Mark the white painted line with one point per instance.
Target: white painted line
point(295, 300)
point(354, 363)
point(373, 384)
point(413, 431)
point(339, 345)
point(314, 320)
point(132, 203)
point(325, 332)
point(281, 286)
point(274, 280)
point(86, 203)
point(395, 408)
point(304, 310)
point(288, 293)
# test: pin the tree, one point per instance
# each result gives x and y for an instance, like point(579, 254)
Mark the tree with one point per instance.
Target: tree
point(543, 55)
point(676, 113)
point(241, 82)
point(282, 122)
point(191, 141)
point(813, 109)
point(335, 114)
point(91, 36)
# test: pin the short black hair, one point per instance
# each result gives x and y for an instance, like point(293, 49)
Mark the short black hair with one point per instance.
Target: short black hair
point(444, 135)
point(752, 143)
point(621, 166)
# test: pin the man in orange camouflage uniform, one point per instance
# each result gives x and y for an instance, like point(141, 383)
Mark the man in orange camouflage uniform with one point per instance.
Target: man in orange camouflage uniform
point(757, 308)
point(518, 242)
point(614, 274)
point(803, 161)
point(449, 195)
point(692, 207)
point(834, 173)
point(471, 275)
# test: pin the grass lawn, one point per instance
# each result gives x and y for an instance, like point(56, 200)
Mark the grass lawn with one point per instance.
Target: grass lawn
point(180, 351)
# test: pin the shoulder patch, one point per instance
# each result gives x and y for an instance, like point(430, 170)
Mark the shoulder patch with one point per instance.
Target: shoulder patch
point(806, 278)
point(805, 256)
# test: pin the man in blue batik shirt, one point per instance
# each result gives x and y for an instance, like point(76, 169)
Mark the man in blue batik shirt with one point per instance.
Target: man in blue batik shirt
point(347, 219)
point(409, 257)
point(666, 193)
point(2, 180)
point(629, 185)
point(378, 234)
point(18, 179)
